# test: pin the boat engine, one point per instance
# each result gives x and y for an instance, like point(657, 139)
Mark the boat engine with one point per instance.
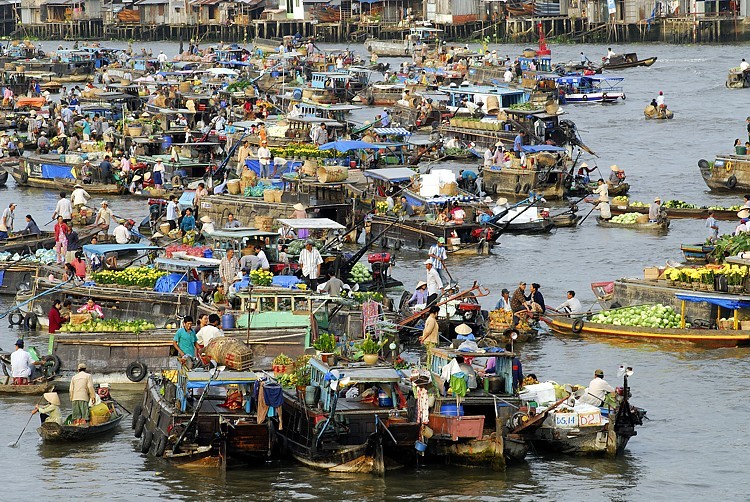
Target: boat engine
point(380, 264)
point(469, 311)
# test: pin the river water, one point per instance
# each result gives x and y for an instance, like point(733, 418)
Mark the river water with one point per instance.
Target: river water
point(695, 443)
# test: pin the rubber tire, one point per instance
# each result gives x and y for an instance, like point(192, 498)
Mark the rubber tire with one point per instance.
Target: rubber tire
point(494, 189)
point(136, 371)
point(12, 316)
point(703, 164)
point(731, 181)
point(577, 326)
point(139, 424)
point(24, 177)
point(517, 188)
point(420, 242)
point(136, 415)
point(56, 360)
point(526, 188)
point(585, 98)
point(146, 439)
point(160, 445)
point(30, 322)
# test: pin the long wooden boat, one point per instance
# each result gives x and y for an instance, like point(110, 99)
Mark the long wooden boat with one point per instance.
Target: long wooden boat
point(727, 173)
point(679, 213)
point(580, 191)
point(52, 432)
point(658, 226)
point(545, 181)
point(31, 389)
point(629, 60)
point(47, 171)
point(29, 243)
point(704, 337)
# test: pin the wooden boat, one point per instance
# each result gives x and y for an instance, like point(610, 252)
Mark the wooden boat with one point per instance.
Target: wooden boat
point(544, 175)
point(29, 243)
point(47, 171)
point(3, 178)
point(566, 220)
point(679, 213)
point(652, 113)
point(53, 433)
point(629, 60)
point(738, 79)
point(705, 337)
point(727, 173)
point(696, 253)
point(315, 438)
point(658, 226)
point(31, 389)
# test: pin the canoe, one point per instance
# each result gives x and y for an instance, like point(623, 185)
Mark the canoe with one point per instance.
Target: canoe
point(565, 220)
point(678, 213)
point(713, 338)
point(46, 240)
point(630, 60)
point(52, 432)
point(661, 226)
point(32, 389)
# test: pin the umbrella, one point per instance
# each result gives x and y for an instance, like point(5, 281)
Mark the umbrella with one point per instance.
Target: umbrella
point(222, 71)
point(346, 145)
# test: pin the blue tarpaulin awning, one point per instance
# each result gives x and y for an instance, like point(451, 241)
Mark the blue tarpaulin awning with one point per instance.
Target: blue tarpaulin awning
point(346, 145)
point(727, 303)
point(102, 249)
point(55, 171)
point(395, 131)
point(542, 148)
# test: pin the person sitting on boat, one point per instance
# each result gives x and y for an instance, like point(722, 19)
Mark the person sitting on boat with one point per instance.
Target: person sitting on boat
point(210, 331)
point(616, 176)
point(55, 316)
point(597, 390)
point(602, 202)
point(90, 307)
point(405, 207)
point(419, 297)
point(31, 227)
point(744, 65)
point(81, 394)
point(504, 303)
point(188, 222)
point(572, 305)
point(220, 296)
point(102, 390)
point(518, 303)
point(122, 232)
point(333, 286)
point(21, 364)
point(438, 255)
point(518, 143)
point(654, 210)
point(51, 411)
point(458, 214)
point(434, 283)
point(743, 215)
point(489, 156)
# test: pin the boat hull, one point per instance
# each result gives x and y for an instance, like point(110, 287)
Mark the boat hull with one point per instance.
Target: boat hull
point(728, 173)
point(32, 389)
point(680, 213)
point(517, 183)
point(662, 226)
point(55, 433)
point(595, 97)
point(28, 172)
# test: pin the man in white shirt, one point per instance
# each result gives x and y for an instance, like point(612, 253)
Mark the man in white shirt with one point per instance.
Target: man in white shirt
point(63, 208)
point(310, 261)
point(744, 65)
point(210, 330)
point(264, 157)
point(173, 211)
point(264, 265)
point(434, 284)
point(438, 255)
point(660, 99)
point(597, 390)
point(572, 305)
point(508, 76)
point(6, 221)
point(80, 196)
point(104, 216)
point(122, 232)
point(21, 364)
point(162, 58)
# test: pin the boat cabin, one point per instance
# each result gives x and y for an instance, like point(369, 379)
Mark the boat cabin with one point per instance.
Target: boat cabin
point(329, 80)
point(426, 35)
point(240, 239)
point(480, 93)
point(596, 88)
point(537, 63)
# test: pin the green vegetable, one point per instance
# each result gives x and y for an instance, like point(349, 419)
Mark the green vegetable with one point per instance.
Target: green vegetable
point(650, 316)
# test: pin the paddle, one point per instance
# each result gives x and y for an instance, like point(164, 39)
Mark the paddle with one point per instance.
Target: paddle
point(14, 444)
point(587, 215)
point(120, 405)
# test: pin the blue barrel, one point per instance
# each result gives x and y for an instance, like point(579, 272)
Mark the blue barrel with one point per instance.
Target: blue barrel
point(450, 409)
point(227, 321)
point(297, 94)
point(384, 399)
point(166, 142)
point(208, 253)
point(195, 288)
point(275, 74)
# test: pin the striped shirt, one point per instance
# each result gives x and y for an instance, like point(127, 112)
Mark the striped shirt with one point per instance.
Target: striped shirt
point(437, 255)
point(309, 261)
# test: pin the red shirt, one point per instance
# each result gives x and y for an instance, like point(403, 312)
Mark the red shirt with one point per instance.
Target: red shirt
point(55, 320)
point(80, 267)
point(60, 230)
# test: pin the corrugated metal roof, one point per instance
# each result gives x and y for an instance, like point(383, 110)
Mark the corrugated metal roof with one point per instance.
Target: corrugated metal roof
point(151, 2)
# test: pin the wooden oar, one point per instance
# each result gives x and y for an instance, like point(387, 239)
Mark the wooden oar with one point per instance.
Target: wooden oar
point(14, 444)
point(587, 215)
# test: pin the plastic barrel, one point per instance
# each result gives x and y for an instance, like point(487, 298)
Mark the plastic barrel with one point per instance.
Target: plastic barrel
point(297, 94)
point(208, 253)
point(195, 287)
point(166, 143)
point(227, 321)
point(450, 409)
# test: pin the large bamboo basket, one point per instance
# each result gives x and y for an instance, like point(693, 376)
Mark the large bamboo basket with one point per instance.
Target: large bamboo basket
point(331, 174)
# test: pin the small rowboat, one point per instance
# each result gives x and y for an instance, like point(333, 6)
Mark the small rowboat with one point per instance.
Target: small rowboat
point(52, 432)
point(658, 226)
point(681, 212)
point(703, 337)
point(30, 389)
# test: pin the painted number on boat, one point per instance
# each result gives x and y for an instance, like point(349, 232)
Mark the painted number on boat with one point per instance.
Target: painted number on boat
point(589, 418)
point(566, 420)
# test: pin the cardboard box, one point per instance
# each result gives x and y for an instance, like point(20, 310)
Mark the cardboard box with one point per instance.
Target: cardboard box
point(651, 273)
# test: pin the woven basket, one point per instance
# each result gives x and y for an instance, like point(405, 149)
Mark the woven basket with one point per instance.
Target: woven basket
point(230, 352)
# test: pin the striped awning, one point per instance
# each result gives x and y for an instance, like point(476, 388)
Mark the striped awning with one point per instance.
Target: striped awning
point(392, 131)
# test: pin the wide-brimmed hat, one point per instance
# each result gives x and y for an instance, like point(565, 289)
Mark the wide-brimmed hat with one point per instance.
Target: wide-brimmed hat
point(104, 385)
point(463, 329)
point(145, 115)
point(157, 235)
point(105, 203)
point(52, 398)
point(499, 143)
point(206, 219)
point(146, 176)
point(81, 366)
point(487, 199)
point(137, 177)
point(657, 199)
point(583, 164)
point(77, 185)
point(614, 167)
point(743, 213)
point(428, 262)
point(420, 284)
point(299, 207)
point(501, 201)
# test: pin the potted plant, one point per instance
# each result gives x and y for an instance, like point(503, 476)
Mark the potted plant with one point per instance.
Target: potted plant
point(301, 376)
point(326, 347)
point(370, 349)
point(282, 364)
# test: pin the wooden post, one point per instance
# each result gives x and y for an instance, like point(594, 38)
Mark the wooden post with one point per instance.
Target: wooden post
point(682, 314)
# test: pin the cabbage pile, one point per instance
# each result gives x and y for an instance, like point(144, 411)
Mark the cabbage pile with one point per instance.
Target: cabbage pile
point(626, 219)
point(644, 316)
point(360, 274)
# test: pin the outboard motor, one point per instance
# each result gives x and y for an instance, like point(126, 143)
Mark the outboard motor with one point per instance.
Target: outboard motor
point(380, 264)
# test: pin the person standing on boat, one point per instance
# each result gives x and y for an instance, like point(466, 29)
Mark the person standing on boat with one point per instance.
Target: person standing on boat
point(122, 232)
point(104, 216)
point(434, 283)
point(602, 190)
point(6, 221)
point(597, 390)
point(518, 143)
point(105, 170)
point(228, 269)
point(654, 211)
point(158, 174)
point(438, 255)
point(431, 331)
point(744, 65)
point(310, 262)
point(51, 412)
point(518, 302)
point(81, 394)
point(173, 210)
point(21, 364)
point(55, 317)
point(79, 197)
point(42, 144)
point(264, 159)
point(610, 54)
point(713, 227)
point(185, 340)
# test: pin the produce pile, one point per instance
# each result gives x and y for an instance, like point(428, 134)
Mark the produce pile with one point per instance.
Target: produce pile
point(730, 208)
point(620, 200)
point(500, 319)
point(362, 297)
point(528, 106)
point(108, 326)
point(729, 245)
point(239, 86)
point(302, 150)
point(257, 190)
point(296, 246)
point(45, 256)
point(626, 218)
point(261, 277)
point(144, 277)
point(360, 274)
point(455, 152)
point(645, 316)
point(189, 250)
point(381, 207)
point(678, 204)
point(637, 203)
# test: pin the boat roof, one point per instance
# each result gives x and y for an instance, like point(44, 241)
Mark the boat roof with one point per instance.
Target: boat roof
point(199, 379)
point(730, 302)
point(187, 263)
point(391, 174)
point(311, 223)
point(480, 89)
point(572, 79)
point(361, 374)
point(449, 353)
point(395, 131)
point(101, 249)
point(240, 233)
point(542, 148)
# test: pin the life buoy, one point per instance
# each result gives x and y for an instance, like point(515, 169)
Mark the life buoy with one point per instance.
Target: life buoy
point(577, 326)
point(30, 321)
point(136, 371)
point(160, 445)
point(729, 166)
point(52, 362)
point(15, 319)
point(140, 422)
point(420, 242)
point(584, 98)
point(370, 100)
point(136, 415)
point(494, 189)
point(731, 181)
point(146, 438)
point(526, 188)
point(517, 188)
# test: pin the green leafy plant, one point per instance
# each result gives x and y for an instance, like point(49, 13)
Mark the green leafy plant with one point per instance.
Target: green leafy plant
point(282, 360)
point(326, 342)
point(369, 346)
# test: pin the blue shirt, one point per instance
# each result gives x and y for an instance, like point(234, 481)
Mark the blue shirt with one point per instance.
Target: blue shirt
point(517, 143)
point(188, 223)
point(186, 340)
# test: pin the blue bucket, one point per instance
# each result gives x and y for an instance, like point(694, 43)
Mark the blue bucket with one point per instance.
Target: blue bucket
point(208, 253)
point(166, 143)
point(227, 321)
point(420, 446)
point(450, 409)
point(195, 287)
